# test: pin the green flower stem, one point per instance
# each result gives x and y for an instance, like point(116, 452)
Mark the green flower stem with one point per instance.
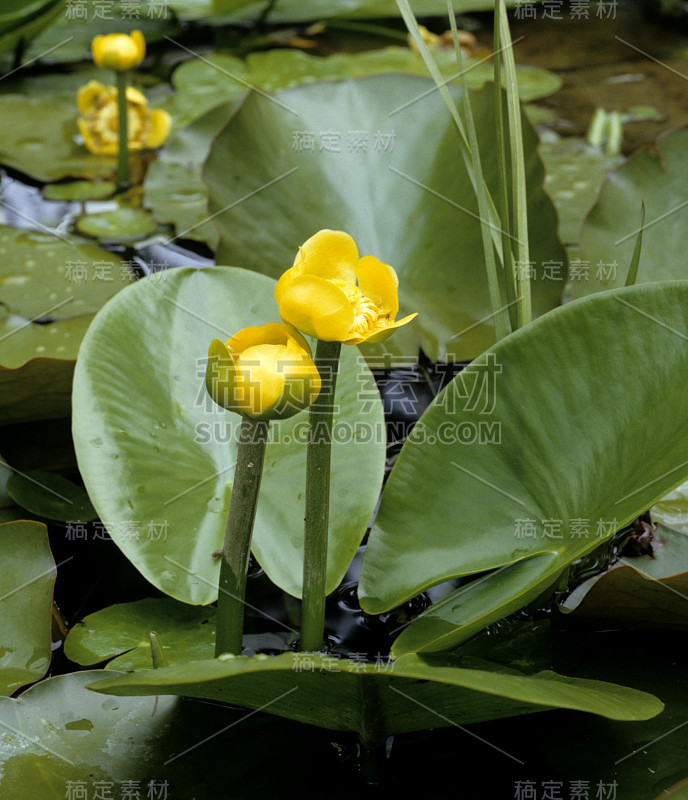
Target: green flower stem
point(123, 149)
point(237, 546)
point(318, 498)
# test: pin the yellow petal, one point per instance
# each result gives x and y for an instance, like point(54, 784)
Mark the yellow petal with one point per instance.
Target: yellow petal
point(220, 376)
point(273, 333)
point(88, 95)
point(135, 97)
point(260, 379)
point(160, 124)
point(329, 254)
point(317, 307)
point(379, 281)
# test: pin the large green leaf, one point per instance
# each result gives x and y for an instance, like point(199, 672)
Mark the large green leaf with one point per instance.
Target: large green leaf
point(541, 448)
point(376, 700)
point(50, 287)
point(403, 195)
point(26, 597)
point(654, 176)
point(59, 740)
point(154, 449)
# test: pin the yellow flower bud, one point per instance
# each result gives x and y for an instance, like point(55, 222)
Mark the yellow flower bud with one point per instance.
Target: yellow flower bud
point(98, 103)
point(332, 294)
point(119, 51)
point(264, 372)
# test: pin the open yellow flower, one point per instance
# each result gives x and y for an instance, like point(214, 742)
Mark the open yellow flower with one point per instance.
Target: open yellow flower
point(264, 372)
point(99, 126)
point(334, 295)
point(119, 51)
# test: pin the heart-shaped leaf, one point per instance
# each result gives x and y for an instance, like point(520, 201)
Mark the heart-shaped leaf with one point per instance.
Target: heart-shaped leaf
point(50, 496)
point(26, 597)
point(541, 448)
point(155, 450)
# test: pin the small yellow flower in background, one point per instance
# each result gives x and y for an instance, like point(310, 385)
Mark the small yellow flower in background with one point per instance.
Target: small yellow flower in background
point(119, 51)
point(99, 126)
point(332, 294)
point(264, 372)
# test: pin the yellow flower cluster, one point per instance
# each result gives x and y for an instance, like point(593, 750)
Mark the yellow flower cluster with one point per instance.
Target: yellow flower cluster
point(99, 124)
point(329, 293)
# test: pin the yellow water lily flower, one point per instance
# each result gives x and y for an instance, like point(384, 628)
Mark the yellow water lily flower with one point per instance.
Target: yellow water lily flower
point(332, 294)
point(99, 126)
point(119, 51)
point(264, 372)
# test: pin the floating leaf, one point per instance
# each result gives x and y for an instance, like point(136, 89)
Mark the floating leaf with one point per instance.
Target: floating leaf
point(49, 286)
point(655, 176)
point(167, 459)
point(79, 190)
point(536, 453)
point(121, 225)
point(187, 633)
point(574, 173)
point(26, 596)
point(60, 738)
point(672, 510)
point(641, 591)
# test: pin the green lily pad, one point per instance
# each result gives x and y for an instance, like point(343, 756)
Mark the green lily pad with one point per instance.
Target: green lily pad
point(644, 591)
point(46, 152)
point(166, 460)
point(51, 496)
point(79, 190)
point(376, 700)
point(655, 176)
point(205, 83)
point(26, 597)
point(574, 173)
point(50, 288)
point(372, 157)
point(672, 510)
point(59, 738)
point(122, 225)
point(561, 447)
point(187, 633)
